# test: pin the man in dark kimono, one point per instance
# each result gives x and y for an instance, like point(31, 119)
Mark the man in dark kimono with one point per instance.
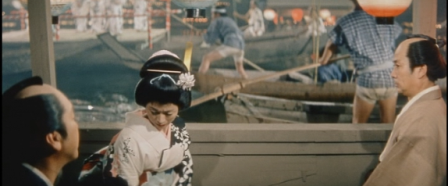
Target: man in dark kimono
point(40, 134)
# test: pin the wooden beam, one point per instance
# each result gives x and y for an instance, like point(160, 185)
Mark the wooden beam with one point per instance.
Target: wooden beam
point(424, 17)
point(41, 41)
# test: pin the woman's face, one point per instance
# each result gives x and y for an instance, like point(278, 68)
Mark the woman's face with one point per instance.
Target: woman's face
point(161, 115)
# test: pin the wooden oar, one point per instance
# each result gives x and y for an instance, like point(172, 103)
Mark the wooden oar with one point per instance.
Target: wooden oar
point(227, 88)
point(253, 65)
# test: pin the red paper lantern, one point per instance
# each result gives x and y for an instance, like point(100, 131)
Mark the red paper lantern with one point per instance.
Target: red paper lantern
point(297, 14)
point(384, 10)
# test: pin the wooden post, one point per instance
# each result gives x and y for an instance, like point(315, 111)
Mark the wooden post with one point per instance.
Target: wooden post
point(424, 15)
point(149, 23)
point(168, 20)
point(22, 12)
point(41, 41)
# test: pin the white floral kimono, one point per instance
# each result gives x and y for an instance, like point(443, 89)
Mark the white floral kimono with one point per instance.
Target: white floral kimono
point(143, 156)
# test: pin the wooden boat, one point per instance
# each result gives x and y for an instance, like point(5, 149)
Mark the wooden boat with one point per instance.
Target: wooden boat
point(278, 101)
point(246, 108)
point(281, 88)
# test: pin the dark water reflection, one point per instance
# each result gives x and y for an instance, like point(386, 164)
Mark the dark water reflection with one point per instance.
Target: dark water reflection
point(99, 85)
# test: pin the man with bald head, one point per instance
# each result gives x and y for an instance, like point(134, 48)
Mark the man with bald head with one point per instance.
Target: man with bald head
point(415, 153)
point(40, 134)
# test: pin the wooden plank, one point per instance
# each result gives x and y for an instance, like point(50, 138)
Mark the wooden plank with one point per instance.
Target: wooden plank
point(252, 118)
point(276, 132)
point(231, 149)
point(287, 90)
point(282, 115)
point(424, 17)
point(285, 148)
point(240, 132)
point(343, 92)
point(122, 52)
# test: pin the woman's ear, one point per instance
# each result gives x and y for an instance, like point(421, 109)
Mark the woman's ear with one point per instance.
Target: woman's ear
point(54, 139)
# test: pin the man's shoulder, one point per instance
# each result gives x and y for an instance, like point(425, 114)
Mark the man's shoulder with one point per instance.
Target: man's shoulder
point(355, 15)
point(429, 115)
point(432, 107)
point(20, 175)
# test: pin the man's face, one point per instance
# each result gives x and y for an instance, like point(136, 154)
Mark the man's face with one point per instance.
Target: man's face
point(70, 144)
point(215, 15)
point(252, 4)
point(405, 79)
point(161, 115)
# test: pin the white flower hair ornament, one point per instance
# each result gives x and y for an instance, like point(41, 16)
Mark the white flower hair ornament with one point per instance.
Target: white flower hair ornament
point(186, 81)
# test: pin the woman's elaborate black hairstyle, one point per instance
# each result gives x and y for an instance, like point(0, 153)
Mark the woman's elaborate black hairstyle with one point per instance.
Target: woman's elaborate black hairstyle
point(158, 83)
point(426, 52)
point(26, 122)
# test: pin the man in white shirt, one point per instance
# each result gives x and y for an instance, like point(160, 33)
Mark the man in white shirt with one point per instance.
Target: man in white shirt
point(254, 18)
point(415, 153)
point(40, 133)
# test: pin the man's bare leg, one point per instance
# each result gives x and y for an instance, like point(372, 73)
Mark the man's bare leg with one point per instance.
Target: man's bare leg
point(387, 109)
point(361, 110)
point(207, 59)
point(240, 68)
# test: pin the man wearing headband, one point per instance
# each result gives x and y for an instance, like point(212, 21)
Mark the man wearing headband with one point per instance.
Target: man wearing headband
point(231, 38)
point(40, 133)
point(153, 148)
point(415, 153)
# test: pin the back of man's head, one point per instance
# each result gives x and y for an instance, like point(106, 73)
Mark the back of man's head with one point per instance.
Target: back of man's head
point(30, 111)
point(424, 50)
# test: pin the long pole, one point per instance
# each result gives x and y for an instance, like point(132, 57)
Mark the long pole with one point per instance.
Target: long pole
point(238, 85)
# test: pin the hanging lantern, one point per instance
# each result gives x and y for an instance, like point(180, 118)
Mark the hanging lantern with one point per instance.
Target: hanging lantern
point(324, 13)
point(195, 8)
point(269, 14)
point(384, 10)
point(297, 14)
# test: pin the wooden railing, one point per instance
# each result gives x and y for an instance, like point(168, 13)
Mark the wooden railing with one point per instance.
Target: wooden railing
point(265, 154)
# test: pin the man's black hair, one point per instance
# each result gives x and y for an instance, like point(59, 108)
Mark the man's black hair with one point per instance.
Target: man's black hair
point(26, 122)
point(426, 52)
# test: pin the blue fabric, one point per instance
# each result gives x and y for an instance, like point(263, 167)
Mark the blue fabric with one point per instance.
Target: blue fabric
point(226, 30)
point(331, 72)
point(368, 44)
point(328, 73)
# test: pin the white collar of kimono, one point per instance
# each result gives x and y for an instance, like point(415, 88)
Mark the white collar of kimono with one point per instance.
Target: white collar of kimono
point(38, 173)
point(415, 98)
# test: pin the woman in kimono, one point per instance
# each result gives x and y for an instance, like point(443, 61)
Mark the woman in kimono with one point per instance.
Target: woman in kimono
point(153, 148)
